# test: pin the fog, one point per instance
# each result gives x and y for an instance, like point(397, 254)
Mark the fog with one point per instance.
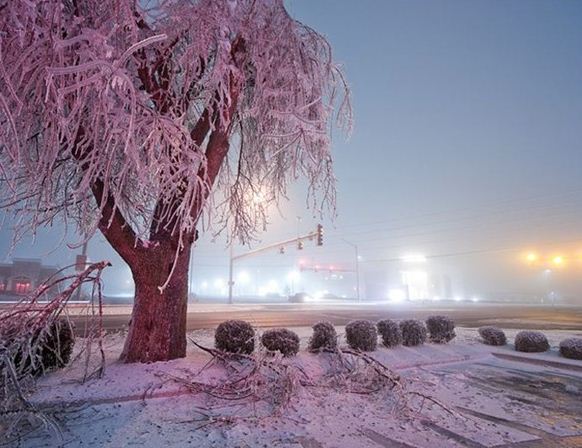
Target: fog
point(466, 151)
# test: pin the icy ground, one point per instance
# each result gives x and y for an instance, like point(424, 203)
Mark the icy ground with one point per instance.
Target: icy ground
point(491, 397)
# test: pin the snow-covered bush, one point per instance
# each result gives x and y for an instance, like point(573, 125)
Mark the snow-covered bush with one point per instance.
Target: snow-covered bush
point(324, 337)
point(413, 332)
point(57, 345)
point(235, 336)
point(571, 348)
point(362, 335)
point(531, 341)
point(441, 329)
point(390, 332)
point(50, 349)
point(281, 340)
point(492, 336)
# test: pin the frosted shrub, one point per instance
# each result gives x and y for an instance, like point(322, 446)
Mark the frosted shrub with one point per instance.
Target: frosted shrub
point(571, 348)
point(57, 346)
point(390, 332)
point(362, 335)
point(413, 332)
point(324, 337)
point(281, 340)
point(50, 349)
point(531, 341)
point(441, 329)
point(492, 336)
point(235, 336)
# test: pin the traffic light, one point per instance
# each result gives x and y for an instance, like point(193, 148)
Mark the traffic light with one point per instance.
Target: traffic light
point(319, 235)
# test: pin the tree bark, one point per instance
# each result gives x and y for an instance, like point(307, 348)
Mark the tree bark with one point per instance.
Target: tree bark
point(157, 330)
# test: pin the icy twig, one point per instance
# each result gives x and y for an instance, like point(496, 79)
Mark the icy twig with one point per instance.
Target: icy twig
point(25, 330)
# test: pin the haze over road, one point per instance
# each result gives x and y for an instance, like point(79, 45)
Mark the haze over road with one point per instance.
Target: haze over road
point(520, 316)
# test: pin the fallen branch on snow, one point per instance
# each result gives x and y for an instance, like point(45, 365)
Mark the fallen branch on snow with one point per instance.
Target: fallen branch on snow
point(264, 384)
point(25, 332)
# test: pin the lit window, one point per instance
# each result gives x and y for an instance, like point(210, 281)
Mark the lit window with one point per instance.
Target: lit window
point(22, 287)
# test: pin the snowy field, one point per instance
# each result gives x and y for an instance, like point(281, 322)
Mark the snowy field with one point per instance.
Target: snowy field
point(460, 394)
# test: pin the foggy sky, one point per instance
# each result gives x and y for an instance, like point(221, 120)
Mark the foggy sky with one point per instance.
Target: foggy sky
point(467, 137)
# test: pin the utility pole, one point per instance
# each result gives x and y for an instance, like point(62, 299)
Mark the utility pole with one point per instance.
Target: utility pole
point(357, 260)
point(80, 265)
point(230, 274)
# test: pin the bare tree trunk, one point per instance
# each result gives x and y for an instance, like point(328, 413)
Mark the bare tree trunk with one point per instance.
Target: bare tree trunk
point(157, 331)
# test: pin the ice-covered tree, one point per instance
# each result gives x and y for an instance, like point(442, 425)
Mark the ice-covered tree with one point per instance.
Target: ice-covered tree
point(142, 119)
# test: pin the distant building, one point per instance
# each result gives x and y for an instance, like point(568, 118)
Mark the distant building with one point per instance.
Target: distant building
point(23, 276)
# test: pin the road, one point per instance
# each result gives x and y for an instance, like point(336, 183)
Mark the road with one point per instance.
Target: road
point(289, 315)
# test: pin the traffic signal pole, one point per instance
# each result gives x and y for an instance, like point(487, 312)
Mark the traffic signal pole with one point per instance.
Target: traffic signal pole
point(317, 234)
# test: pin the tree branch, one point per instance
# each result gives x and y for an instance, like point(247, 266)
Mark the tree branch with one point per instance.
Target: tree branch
point(114, 226)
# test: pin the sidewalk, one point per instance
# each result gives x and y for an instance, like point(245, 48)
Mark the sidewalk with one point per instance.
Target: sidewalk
point(495, 401)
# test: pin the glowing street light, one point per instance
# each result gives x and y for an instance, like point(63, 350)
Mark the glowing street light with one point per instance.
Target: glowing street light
point(219, 283)
point(532, 257)
point(244, 277)
point(558, 260)
point(414, 258)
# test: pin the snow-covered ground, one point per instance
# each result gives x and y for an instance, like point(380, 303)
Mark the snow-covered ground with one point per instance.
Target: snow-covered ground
point(464, 385)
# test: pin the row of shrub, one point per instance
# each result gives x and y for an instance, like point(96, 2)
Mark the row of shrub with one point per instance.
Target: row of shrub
point(236, 336)
point(363, 334)
point(532, 342)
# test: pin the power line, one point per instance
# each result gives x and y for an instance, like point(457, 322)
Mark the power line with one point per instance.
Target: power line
point(464, 209)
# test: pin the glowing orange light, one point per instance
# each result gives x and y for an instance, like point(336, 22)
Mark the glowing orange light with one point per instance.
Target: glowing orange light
point(532, 257)
point(558, 260)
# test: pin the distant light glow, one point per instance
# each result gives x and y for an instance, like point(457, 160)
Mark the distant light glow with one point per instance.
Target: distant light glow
point(244, 277)
point(458, 299)
point(258, 197)
point(436, 299)
point(293, 276)
point(532, 257)
point(416, 284)
point(272, 287)
point(558, 260)
point(396, 295)
point(475, 299)
point(414, 258)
